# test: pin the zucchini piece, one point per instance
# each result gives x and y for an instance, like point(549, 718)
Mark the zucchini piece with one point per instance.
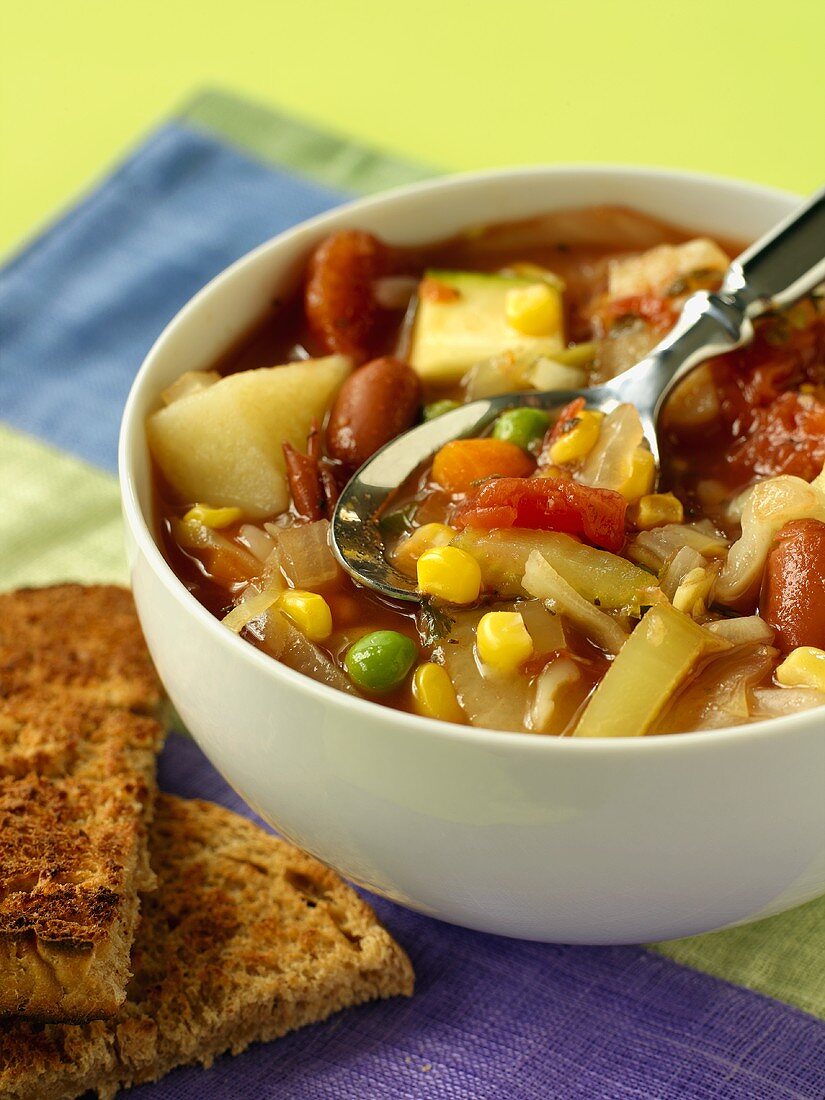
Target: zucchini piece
point(467, 323)
point(605, 579)
point(653, 663)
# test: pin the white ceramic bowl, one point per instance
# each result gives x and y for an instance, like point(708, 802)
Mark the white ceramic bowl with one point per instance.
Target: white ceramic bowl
point(586, 841)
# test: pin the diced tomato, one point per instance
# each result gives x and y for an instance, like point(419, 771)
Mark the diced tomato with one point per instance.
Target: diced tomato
point(787, 437)
point(548, 504)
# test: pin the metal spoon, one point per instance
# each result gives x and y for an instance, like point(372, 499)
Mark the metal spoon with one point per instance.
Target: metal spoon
point(784, 265)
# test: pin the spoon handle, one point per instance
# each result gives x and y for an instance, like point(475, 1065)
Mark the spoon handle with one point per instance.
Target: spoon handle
point(783, 265)
point(779, 268)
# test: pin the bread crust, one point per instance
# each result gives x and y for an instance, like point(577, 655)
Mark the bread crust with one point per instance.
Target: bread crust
point(245, 939)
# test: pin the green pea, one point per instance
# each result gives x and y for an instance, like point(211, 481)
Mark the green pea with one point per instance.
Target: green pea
point(380, 661)
point(438, 408)
point(524, 427)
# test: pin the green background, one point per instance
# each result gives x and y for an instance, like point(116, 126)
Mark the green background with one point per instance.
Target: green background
point(732, 86)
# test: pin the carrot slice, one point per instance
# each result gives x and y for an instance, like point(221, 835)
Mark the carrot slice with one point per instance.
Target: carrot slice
point(462, 463)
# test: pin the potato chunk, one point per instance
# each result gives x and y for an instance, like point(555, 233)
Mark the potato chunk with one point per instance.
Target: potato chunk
point(223, 445)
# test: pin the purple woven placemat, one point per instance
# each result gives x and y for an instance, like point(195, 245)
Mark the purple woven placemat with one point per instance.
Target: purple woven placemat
point(497, 1019)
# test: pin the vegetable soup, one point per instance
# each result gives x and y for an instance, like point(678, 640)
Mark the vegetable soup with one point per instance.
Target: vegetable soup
point(568, 586)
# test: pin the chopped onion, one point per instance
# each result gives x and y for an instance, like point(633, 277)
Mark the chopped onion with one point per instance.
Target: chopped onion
point(249, 609)
point(549, 374)
point(623, 349)
point(502, 374)
point(772, 702)
point(743, 630)
point(543, 626)
point(257, 540)
point(545, 583)
point(610, 463)
point(283, 640)
point(394, 291)
point(549, 686)
point(237, 564)
point(305, 555)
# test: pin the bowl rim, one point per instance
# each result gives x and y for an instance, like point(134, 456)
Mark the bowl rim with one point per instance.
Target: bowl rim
point(480, 737)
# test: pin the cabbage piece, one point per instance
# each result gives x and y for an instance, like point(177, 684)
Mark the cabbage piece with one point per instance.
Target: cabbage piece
point(598, 576)
point(769, 506)
point(545, 583)
point(305, 555)
point(720, 694)
point(494, 702)
point(682, 563)
point(283, 640)
point(654, 549)
point(610, 464)
point(657, 658)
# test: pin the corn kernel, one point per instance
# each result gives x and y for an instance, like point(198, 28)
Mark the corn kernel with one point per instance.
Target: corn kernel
point(503, 641)
point(579, 440)
point(212, 517)
point(308, 611)
point(434, 695)
point(449, 574)
point(803, 667)
point(642, 476)
point(656, 509)
point(533, 310)
point(423, 538)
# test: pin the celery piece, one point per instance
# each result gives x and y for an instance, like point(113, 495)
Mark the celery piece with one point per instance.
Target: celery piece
point(655, 660)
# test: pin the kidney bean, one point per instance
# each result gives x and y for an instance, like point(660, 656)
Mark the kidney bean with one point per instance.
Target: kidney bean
point(793, 588)
point(338, 299)
point(374, 405)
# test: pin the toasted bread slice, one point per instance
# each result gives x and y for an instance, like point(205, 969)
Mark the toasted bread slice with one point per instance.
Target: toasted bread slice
point(77, 642)
point(77, 785)
point(245, 939)
point(70, 867)
point(59, 738)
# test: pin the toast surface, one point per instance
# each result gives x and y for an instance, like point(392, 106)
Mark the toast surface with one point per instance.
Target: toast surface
point(77, 785)
point(245, 939)
point(76, 641)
